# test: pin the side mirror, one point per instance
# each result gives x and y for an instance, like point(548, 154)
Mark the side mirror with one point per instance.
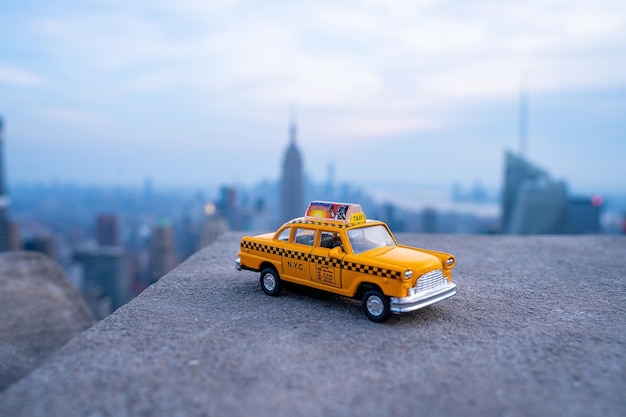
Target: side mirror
point(336, 252)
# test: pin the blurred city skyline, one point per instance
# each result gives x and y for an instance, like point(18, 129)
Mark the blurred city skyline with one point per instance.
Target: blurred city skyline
point(200, 93)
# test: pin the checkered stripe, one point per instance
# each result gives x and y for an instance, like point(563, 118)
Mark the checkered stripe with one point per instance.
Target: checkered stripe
point(300, 256)
point(272, 250)
point(372, 270)
point(322, 260)
point(326, 261)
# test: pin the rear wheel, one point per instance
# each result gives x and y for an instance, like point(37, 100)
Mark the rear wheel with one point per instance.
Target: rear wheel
point(271, 284)
point(376, 306)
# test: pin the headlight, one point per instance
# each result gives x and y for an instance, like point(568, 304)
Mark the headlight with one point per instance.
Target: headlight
point(408, 274)
point(450, 261)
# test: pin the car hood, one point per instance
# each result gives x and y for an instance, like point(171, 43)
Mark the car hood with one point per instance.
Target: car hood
point(406, 258)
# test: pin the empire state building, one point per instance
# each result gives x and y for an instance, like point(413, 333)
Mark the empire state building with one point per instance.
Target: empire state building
point(292, 180)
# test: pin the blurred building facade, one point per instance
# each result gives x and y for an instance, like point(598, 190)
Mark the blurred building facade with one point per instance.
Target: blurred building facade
point(517, 172)
point(534, 203)
point(212, 227)
point(9, 232)
point(163, 251)
point(107, 280)
point(4, 201)
point(108, 230)
point(583, 215)
point(227, 207)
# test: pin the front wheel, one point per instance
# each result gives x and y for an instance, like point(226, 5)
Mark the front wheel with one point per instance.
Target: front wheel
point(376, 306)
point(271, 282)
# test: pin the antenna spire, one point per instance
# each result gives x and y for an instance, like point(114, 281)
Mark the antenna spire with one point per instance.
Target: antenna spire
point(523, 115)
point(293, 129)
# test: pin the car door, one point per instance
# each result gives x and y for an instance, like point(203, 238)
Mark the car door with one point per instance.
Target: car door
point(325, 269)
point(296, 255)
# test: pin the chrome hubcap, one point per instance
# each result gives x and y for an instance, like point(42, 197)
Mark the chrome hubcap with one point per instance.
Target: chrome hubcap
point(375, 305)
point(269, 282)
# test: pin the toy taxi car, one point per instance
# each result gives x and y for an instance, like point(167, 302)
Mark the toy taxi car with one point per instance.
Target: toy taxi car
point(336, 249)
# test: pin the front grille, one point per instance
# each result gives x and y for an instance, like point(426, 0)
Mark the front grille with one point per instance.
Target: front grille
point(430, 280)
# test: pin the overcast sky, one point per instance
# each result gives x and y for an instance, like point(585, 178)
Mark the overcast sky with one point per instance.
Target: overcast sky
point(200, 92)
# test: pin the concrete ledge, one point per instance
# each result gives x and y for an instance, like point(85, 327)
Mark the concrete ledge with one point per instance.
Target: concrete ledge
point(536, 329)
point(40, 310)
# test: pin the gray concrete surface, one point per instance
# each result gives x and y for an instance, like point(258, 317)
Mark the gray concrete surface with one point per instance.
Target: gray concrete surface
point(537, 329)
point(40, 310)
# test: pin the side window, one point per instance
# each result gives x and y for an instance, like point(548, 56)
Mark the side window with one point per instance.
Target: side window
point(330, 239)
point(284, 235)
point(304, 236)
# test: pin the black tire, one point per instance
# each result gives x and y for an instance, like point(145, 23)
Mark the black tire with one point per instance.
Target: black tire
point(376, 306)
point(271, 284)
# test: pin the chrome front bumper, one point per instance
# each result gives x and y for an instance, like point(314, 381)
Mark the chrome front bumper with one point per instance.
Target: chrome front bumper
point(238, 264)
point(422, 299)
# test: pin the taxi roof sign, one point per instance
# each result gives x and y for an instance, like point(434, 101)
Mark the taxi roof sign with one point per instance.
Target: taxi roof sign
point(346, 212)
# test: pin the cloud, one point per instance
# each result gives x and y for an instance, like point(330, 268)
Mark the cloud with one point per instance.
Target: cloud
point(406, 64)
point(75, 116)
point(18, 76)
point(360, 128)
point(235, 43)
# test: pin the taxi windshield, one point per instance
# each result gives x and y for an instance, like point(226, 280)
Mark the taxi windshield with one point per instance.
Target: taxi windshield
point(370, 237)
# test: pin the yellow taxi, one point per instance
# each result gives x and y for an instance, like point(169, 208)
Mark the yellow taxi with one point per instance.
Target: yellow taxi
point(335, 248)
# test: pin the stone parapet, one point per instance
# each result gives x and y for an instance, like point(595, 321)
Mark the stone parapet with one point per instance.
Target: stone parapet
point(537, 328)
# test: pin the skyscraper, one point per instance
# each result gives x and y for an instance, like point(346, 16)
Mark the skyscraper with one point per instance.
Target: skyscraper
point(583, 215)
point(540, 208)
point(106, 275)
point(162, 252)
point(108, 230)
point(532, 203)
point(292, 180)
point(5, 238)
point(227, 207)
point(517, 171)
